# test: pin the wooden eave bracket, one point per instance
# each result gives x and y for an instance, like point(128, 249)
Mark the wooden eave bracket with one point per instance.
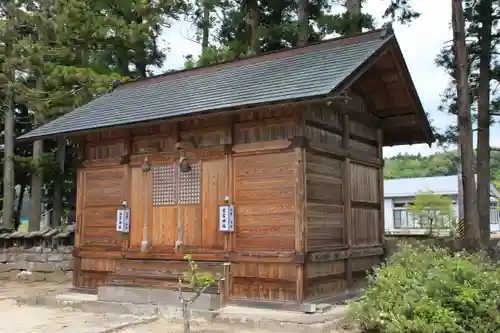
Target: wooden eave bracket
point(188, 144)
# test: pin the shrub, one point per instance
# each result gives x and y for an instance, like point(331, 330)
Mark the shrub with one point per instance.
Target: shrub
point(430, 290)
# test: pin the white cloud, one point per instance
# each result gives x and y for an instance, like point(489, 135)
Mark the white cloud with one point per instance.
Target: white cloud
point(420, 42)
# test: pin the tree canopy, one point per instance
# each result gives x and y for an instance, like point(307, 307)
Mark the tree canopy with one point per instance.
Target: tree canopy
point(438, 164)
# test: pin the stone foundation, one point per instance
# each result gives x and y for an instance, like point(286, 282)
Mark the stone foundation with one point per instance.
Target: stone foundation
point(37, 264)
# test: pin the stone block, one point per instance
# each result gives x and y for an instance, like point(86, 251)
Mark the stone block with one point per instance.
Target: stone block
point(66, 249)
point(11, 275)
point(35, 249)
point(9, 267)
point(171, 297)
point(20, 264)
point(135, 295)
point(19, 256)
point(65, 266)
point(15, 249)
point(37, 257)
point(164, 296)
point(41, 267)
point(55, 256)
point(4, 257)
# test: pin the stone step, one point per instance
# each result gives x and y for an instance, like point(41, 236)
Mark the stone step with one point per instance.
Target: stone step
point(141, 295)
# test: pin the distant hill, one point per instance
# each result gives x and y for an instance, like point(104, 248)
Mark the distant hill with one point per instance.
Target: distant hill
point(439, 164)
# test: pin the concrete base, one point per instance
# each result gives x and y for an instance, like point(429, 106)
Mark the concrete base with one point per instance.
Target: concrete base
point(233, 316)
point(164, 297)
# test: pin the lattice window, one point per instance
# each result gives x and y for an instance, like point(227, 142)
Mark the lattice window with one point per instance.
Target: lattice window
point(189, 191)
point(166, 190)
point(164, 185)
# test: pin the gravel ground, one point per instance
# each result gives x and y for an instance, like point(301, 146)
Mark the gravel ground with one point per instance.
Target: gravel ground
point(37, 319)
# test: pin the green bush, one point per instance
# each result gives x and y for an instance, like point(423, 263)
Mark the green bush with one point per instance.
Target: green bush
point(429, 290)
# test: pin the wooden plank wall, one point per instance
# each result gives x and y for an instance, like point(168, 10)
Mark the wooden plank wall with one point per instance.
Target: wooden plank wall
point(259, 173)
point(344, 198)
point(307, 220)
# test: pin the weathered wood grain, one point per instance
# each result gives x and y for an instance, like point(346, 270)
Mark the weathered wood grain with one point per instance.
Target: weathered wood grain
point(307, 215)
point(214, 188)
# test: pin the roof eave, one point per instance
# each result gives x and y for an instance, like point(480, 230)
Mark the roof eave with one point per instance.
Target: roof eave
point(429, 134)
point(240, 108)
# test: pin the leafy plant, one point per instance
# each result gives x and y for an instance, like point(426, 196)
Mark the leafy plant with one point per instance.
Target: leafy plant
point(432, 211)
point(430, 290)
point(199, 282)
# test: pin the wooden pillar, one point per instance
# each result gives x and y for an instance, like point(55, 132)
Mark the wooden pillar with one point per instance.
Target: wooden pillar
point(380, 142)
point(80, 191)
point(125, 161)
point(229, 238)
point(145, 228)
point(346, 186)
point(300, 223)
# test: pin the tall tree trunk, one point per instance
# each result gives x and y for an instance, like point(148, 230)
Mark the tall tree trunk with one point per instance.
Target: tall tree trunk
point(58, 182)
point(472, 235)
point(354, 11)
point(206, 25)
point(37, 174)
point(19, 207)
point(483, 121)
point(8, 163)
point(303, 23)
point(252, 26)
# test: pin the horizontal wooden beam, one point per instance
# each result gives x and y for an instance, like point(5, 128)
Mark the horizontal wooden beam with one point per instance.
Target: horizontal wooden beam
point(342, 153)
point(331, 255)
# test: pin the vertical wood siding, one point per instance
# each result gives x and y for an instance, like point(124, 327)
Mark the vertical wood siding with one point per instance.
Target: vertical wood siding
point(343, 198)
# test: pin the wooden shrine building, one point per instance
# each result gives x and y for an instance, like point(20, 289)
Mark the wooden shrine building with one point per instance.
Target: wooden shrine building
point(292, 140)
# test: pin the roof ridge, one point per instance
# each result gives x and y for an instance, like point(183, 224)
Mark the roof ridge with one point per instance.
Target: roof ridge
point(384, 32)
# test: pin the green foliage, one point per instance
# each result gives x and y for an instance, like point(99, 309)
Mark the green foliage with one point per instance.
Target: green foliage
point(432, 211)
point(428, 290)
point(476, 14)
point(410, 166)
point(196, 279)
point(210, 56)
point(438, 164)
point(278, 25)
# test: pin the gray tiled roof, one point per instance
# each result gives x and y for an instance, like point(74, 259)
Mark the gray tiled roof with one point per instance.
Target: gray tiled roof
point(303, 75)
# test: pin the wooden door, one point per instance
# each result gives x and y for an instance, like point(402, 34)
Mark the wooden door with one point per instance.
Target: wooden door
point(100, 192)
point(103, 190)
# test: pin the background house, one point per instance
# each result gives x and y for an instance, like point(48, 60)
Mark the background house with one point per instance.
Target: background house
point(400, 192)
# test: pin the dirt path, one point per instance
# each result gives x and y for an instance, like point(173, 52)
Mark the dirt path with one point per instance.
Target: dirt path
point(31, 319)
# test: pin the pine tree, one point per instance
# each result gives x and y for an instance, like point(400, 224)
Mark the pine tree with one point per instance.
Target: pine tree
point(11, 32)
point(482, 39)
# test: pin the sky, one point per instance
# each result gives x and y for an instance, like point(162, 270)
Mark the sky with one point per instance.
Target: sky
point(420, 42)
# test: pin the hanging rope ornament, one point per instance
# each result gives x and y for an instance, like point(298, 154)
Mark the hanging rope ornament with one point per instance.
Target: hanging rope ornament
point(184, 165)
point(145, 166)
